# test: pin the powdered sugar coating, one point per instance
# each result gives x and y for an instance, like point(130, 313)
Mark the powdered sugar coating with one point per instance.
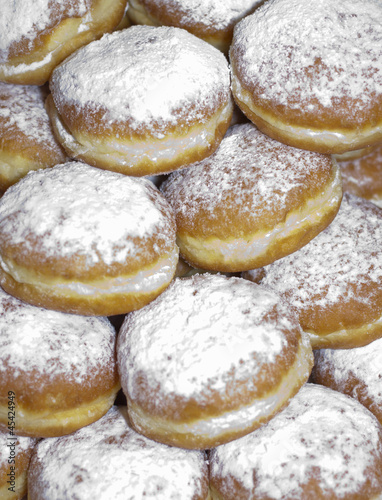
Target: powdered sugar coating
point(74, 209)
point(22, 444)
point(310, 55)
point(250, 177)
point(213, 15)
point(356, 372)
point(109, 460)
point(322, 436)
point(39, 344)
point(22, 112)
point(22, 20)
point(203, 333)
point(150, 77)
point(363, 176)
point(339, 265)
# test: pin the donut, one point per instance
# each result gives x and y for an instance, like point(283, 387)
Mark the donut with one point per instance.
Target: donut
point(60, 367)
point(78, 239)
point(323, 445)
point(355, 372)
point(212, 358)
point(211, 20)
point(27, 140)
point(334, 283)
point(35, 38)
point(161, 100)
point(362, 176)
point(308, 73)
point(252, 202)
point(109, 460)
point(15, 454)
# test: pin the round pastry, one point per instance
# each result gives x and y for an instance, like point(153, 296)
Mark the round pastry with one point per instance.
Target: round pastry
point(210, 360)
point(15, 454)
point(27, 140)
point(324, 445)
point(355, 372)
point(60, 367)
point(334, 283)
point(108, 460)
point(83, 240)
point(252, 202)
point(363, 176)
point(142, 101)
point(35, 38)
point(211, 20)
point(299, 75)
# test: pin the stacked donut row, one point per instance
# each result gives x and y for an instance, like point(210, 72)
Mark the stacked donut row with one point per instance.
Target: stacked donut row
point(215, 350)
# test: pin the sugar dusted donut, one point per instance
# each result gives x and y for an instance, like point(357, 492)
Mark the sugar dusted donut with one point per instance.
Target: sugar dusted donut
point(211, 20)
point(253, 201)
point(108, 460)
point(355, 372)
point(334, 283)
point(34, 39)
point(27, 140)
point(309, 73)
point(142, 101)
point(210, 360)
point(363, 176)
point(15, 454)
point(60, 367)
point(88, 241)
point(324, 445)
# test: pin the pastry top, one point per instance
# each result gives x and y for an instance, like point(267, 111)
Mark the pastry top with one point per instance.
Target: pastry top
point(23, 118)
point(109, 460)
point(320, 60)
point(336, 279)
point(203, 337)
point(40, 348)
point(142, 80)
point(22, 22)
point(323, 445)
point(356, 372)
point(80, 218)
point(251, 182)
point(205, 17)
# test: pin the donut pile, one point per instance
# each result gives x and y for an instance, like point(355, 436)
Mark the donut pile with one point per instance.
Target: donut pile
point(190, 234)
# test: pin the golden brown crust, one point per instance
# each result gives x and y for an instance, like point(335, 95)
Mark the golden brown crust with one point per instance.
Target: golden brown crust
point(201, 431)
point(21, 464)
point(179, 14)
point(295, 74)
point(31, 62)
point(226, 222)
point(84, 136)
point(26, 136)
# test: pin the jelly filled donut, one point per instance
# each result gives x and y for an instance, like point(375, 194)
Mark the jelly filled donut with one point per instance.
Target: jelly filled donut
point(308, 73)
point(324, 445)
point(79, 239)
point(253, 201)
point(334, 283)
point(209, 360)
point(108, 460)
point(355, 372)
point(211, 20)
point(60, 367)
point(363, 176)
point(142, 101)
point(35, 37)
point(15, 454)
point(27, 141)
